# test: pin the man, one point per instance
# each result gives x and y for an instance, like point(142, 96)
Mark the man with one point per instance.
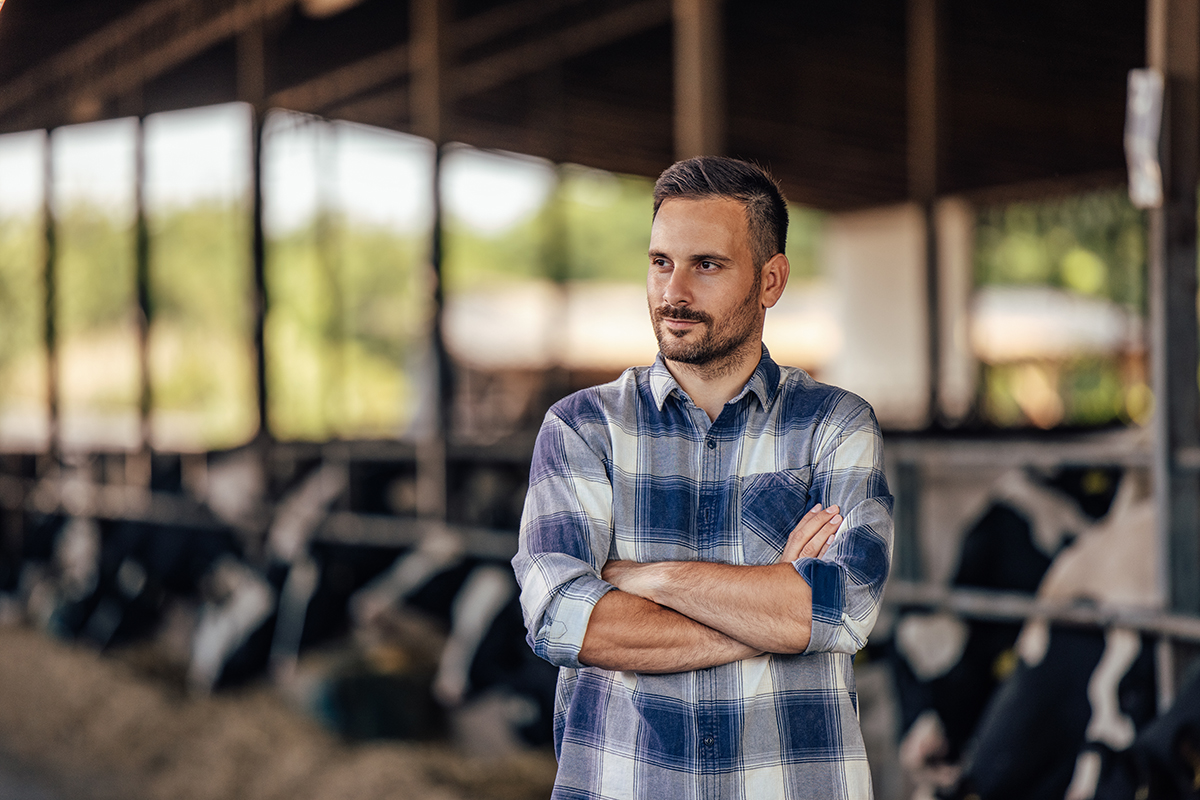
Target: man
point(678, 558)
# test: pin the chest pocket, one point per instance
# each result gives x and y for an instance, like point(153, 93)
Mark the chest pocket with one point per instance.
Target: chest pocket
point(772, 505)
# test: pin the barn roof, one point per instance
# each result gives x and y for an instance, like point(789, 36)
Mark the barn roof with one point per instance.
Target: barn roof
point(1030, 94)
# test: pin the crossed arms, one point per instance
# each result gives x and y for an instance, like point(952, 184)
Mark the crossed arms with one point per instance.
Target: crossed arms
point(683, 615)
point(678, 616)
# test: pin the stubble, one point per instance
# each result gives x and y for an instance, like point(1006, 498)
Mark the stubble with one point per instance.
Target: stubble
point(716, 352)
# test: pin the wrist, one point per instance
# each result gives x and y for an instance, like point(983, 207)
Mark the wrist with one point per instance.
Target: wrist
point(664, 581)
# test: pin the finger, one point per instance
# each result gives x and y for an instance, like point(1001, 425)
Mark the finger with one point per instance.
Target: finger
point(808, 527)
point(808, 542)
point(815, 512)
point(821, 540)
point(811, 525)
point(825, 548)
point(811, 522)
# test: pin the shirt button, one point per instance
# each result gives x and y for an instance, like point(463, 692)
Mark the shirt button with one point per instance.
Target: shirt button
point(708, 741)
point(712, 444)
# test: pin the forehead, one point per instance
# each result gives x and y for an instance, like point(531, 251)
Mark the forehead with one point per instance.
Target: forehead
point(700, 225)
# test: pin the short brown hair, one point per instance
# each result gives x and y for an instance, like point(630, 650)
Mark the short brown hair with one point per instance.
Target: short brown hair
point(749, 184)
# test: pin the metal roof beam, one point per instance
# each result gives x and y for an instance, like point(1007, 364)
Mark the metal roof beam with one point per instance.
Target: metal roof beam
point(162, 35)
point(526, 59)
point(134, 49)
point(344, 85)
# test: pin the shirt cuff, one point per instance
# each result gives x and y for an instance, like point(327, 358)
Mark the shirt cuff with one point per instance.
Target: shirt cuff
point(560, 637)
point(828, 602)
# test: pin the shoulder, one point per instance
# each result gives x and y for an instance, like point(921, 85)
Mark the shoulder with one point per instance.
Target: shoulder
point(604, 404)
point(578, 429)
point(805, 401)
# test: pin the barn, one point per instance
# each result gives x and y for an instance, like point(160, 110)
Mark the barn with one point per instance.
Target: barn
point(304, 458)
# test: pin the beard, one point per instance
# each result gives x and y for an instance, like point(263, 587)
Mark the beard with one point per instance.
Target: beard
point(720, 341)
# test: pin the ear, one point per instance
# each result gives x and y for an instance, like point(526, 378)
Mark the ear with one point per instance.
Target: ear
point(774, 278)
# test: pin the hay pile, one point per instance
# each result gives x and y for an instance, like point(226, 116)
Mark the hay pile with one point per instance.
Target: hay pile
point(102, 728)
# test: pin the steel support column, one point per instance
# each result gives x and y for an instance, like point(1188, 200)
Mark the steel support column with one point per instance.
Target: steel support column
point(429, 51)
point(251, 88)
point(699, 78)
point(924, 142)
point(1173, 48)
point(50, 282)
point(145, 311)
point(258, 259)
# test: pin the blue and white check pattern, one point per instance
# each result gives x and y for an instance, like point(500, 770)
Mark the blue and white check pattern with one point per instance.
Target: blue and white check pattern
point(634, 470)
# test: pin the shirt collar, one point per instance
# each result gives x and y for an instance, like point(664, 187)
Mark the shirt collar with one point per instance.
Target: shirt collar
point(762, 384)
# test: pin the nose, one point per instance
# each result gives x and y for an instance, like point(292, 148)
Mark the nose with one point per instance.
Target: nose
point(678, 288)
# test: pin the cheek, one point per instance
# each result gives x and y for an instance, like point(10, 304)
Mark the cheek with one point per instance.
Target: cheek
point(656, 286)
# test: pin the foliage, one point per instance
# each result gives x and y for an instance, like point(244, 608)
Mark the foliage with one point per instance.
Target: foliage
point(347, 306)
point(595, 226)
point(1093, 245)
point(202, 362)
point(346, 314)
point(22, 298)
point(805, 231)
point(95, 272)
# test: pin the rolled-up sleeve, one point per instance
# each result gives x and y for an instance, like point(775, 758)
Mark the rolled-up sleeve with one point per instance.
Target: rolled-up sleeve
point(566, 532)
point(847, 584)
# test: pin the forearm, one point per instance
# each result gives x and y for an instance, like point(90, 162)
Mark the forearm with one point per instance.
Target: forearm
point(627, 632)
point(769, 608)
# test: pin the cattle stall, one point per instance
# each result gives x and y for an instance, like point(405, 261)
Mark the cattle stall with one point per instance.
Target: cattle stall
point(368, 577)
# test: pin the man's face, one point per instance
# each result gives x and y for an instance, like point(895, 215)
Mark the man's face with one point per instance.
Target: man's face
point(703, 288)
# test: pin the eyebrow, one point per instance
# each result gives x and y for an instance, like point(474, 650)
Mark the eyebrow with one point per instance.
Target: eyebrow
point(695, 257)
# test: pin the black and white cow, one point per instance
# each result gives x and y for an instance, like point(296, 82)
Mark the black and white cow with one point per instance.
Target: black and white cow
point(113, 581)
point(1163, 763)
point(386, 597)
point(254, 588)
point(947, 670)
point(485, 656)
point(1075, 693)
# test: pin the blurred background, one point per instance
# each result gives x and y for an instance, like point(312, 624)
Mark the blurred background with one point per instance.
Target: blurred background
point(286, 287)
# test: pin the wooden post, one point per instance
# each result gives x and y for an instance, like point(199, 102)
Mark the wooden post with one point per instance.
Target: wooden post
point(699, 78)
point(145, 311)
point(1173, 48)
point(924, 79)
point(428, 49)
point(50, 282)
point(251, 88)
point(907, 563)
point(258, 258)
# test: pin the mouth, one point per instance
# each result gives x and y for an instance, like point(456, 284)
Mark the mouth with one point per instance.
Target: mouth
point(679, 319)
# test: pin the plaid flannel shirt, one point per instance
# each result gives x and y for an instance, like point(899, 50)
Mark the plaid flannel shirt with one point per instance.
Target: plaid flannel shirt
point(634, 470)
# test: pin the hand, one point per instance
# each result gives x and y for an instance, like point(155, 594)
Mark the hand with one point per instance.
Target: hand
point(812, 537)
point(629, 576)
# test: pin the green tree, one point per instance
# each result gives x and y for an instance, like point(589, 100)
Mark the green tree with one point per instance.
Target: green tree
point(1092, 245)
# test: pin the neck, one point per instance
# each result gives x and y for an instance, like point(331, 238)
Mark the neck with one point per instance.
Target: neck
point(713, 385)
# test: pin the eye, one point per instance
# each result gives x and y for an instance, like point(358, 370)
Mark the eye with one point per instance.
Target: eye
point(659, 262)
point(708, 266)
